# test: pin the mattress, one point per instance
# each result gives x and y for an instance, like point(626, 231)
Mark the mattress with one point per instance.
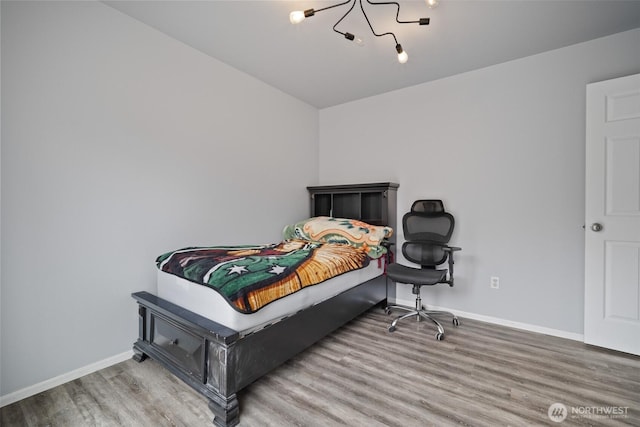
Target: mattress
point(209, 303)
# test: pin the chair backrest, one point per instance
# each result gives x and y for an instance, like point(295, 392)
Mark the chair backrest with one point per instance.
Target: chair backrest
point(426, 232)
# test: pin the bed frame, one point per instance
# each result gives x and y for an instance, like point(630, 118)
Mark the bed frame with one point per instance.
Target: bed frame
point(218, 362)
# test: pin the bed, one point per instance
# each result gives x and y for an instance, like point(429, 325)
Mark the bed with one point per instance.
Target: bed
point(219, 336)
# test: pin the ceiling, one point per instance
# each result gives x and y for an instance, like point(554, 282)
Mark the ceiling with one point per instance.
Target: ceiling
point(313, 63)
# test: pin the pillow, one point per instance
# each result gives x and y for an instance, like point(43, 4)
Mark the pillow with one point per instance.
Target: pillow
point(352, 232)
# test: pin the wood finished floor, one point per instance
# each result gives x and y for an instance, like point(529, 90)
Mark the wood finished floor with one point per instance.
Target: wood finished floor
point(362, 375)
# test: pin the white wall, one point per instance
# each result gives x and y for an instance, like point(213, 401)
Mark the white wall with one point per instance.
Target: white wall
point(120, 143)
point(504, 148)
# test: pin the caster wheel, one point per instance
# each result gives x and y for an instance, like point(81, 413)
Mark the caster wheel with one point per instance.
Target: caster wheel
point(439, 336)
point(392, 328)
point(387, 311)
point(456, 322)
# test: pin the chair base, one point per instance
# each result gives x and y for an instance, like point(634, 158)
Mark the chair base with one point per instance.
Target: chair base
point(420, 313)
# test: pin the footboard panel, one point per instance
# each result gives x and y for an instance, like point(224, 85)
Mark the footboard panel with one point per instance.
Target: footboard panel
point(218, 362)
point(193, 348)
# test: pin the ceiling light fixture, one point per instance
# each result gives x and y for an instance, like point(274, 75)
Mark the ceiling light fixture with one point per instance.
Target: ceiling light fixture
point(298, 16)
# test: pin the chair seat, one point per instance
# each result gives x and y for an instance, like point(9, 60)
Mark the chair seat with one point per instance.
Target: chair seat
point(415, 276)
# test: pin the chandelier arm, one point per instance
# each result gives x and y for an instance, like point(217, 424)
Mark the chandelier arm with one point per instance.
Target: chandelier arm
point(334, 5)
point(371, 26)
point(421, 21)
point(344, 16)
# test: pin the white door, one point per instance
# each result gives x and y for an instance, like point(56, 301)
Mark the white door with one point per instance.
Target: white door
point(612, 215)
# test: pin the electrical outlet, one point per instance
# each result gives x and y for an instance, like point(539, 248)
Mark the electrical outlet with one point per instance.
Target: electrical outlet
point(495, 282)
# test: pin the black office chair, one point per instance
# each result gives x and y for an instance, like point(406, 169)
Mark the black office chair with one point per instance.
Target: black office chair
point(427, 230)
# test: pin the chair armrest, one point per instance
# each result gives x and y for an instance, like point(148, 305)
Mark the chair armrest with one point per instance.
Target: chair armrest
point(389, 255)
point(450, 250)
point(387, 244)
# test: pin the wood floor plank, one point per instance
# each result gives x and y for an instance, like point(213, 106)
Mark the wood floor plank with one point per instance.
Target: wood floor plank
point(362, 375)
point(90, 409)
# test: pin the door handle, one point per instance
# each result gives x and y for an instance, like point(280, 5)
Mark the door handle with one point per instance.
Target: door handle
point(596, 227)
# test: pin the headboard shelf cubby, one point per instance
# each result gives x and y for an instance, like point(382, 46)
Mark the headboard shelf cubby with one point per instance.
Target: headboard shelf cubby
point(373, 203)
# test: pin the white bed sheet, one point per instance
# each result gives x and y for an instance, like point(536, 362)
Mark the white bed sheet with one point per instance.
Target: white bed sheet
point(210, 304)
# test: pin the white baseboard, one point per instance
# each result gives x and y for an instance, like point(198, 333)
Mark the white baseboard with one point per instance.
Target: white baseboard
point(64, 378)
point(503, 322)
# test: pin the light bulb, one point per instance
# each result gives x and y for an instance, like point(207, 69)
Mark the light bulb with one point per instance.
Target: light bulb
point(296, 17)
point(432, 3)
point(402, 55)
point(356, 40)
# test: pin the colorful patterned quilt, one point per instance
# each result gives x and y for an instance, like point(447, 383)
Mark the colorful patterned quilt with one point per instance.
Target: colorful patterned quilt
point(250, 277)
